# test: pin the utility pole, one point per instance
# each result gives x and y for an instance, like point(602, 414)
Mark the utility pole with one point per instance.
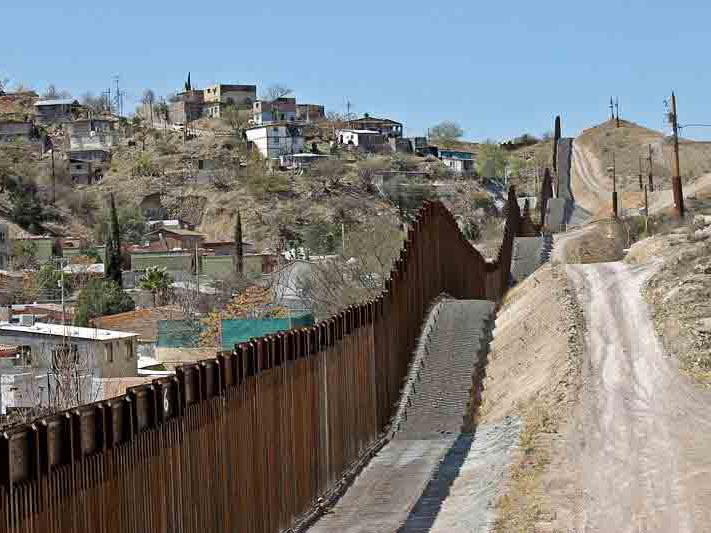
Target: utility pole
point(54, 180)
point(651, 181)
point(676, 177)
point(612, 109)
point(646, 202)
point(640, 173)
point(617, 108)
point(614, 187)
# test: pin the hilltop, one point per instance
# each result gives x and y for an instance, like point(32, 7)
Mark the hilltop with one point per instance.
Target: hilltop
point(593, 154)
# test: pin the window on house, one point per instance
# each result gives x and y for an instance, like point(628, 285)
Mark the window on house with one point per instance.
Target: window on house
point(129, 349)
point(109, 352)
point(201, 164)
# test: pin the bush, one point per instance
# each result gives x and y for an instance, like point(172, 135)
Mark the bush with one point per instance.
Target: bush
point(101, 297)
point(132, 225)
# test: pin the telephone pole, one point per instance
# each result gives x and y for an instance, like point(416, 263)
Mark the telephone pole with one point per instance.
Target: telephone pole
point(676, 177)
point(54, 180)
point(612, 109)
point(640, 173)
point(651, 181)
point(617, 109)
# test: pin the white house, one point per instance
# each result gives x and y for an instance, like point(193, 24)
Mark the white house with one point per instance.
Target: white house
point(279, 110)
point(277, 139)
point(103, 352)
point(364, 139)
point(458, 161)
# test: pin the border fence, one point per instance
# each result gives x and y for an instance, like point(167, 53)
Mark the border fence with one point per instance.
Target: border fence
point(249, 440)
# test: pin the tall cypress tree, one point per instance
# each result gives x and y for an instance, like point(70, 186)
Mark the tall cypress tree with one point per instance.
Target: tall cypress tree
point(113, 248)
point(556, 138)
point(239, 251)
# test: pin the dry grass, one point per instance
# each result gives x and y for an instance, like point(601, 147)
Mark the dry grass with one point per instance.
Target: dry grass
point(630, 141)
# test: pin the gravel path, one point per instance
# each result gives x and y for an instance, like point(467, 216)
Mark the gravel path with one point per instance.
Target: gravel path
point(641, 452)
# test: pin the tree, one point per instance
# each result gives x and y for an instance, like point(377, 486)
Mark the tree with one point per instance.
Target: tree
point(163, 111)
point(239, 251)
point(149, 99)
point(113, 248)
point(132, 225)
point(139, 129)
point(101, 297)
point(24, 255)
point(96, 104)
point(52, 93)
point(446, 132)
point(491, 160)
point(556, 138)
point(49, 280)
point(274, 92)
point(156, 280)
point(28, 209)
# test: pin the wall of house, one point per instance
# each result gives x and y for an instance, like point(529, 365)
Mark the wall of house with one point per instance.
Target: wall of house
point(108, 358)
point(182, 262)
point(273, 141)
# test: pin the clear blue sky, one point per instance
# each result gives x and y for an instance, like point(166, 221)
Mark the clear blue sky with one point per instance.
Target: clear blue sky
point(499, 68)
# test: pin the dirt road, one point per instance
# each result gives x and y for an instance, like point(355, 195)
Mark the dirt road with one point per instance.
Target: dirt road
point(641, 449)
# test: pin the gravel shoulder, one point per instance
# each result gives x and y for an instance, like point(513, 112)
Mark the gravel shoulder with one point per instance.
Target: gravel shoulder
point(533, 375)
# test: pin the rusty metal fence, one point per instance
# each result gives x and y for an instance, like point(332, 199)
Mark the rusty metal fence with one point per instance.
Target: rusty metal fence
point(249, 440)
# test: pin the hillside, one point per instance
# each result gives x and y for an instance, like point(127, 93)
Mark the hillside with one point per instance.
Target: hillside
point(593, 149)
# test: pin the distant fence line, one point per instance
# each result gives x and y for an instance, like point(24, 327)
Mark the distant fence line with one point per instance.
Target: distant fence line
point(249, 440)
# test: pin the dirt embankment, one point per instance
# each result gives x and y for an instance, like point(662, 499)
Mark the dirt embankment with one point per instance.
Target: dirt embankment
point(600, 241)
point(533, 373)
point(679, 294)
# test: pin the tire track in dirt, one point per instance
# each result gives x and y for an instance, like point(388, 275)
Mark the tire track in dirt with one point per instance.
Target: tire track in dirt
point(641, 443)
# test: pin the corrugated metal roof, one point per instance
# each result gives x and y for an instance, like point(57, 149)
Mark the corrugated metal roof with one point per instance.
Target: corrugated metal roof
point(61, 101)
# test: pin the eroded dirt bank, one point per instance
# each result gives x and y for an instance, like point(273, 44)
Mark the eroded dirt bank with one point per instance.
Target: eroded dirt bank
point(533, 374)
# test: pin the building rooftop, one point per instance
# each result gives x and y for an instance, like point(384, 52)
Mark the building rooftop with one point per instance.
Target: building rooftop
point(143, 322)
point(59, 330)
point(375, 119)
point(351, 130)
point(61, 101)
point(177, 231)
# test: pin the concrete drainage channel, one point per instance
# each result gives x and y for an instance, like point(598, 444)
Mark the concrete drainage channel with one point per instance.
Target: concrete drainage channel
point(435, 473)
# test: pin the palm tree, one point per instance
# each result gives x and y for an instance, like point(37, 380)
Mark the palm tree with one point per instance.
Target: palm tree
point(156, 280)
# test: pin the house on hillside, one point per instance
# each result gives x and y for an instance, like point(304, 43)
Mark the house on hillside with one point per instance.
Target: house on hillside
point(92, 134)
point(25, 132)
point(142, 322)
point(188, 107)
point(221, 96)
point(277, 139)
point(308, 113)
point(85, 172)
point(56, 111)
point(279, 110)
point(18, 105)
point(105, 353)
point(174, 239)
point(386, 127)
point(298, 161)
point(458, 161)
point(365, 140)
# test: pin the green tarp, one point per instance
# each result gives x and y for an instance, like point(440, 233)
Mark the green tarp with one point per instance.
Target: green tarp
point(186, 333)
